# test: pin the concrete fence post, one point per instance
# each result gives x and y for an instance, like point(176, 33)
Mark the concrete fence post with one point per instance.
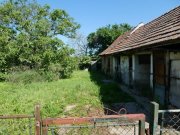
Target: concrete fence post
point(142, 127)
point(154, 118)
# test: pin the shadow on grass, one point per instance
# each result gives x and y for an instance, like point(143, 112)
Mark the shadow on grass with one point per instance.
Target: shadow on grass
point(109, 92)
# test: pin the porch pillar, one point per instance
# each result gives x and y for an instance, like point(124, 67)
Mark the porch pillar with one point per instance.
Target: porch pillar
point(102, 64)
point(151, 70)
point(114, 66)
point(133, 66)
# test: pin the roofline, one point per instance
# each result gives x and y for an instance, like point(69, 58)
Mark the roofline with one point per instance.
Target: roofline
point(132, 31)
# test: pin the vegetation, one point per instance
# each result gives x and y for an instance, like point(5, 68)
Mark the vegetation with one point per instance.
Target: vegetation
point(29, 38)
point(83, 91)
point(104, 36)
point(84, 62)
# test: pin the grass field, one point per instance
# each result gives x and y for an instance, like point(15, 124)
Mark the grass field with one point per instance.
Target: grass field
point(84, 90)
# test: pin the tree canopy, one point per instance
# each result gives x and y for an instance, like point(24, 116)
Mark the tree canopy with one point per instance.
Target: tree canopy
point(29, 35)
point(104, 36)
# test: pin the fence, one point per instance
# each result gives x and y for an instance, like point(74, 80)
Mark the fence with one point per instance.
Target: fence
point(129, 124)
point(165, 122)
point(124, 124)
point(169, 122)
point(20, 124)
point(17, 125)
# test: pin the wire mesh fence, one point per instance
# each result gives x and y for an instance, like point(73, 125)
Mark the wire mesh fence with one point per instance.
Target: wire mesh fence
point(169, 122)
point(128, 124)
point(110, 128)
point(17, 125)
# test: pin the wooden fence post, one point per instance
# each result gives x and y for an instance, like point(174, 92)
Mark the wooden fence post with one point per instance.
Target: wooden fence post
point(154, 118)
point(37, 120)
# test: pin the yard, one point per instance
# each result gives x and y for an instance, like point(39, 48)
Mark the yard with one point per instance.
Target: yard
point(82, 95)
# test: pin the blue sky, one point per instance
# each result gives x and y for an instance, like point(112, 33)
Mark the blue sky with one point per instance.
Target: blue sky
point(92, 14)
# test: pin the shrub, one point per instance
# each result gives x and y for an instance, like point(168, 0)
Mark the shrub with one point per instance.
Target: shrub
point(52, 73)
point(2, 76)
point(68, 66)
point(84, 62)
point(50, 76)
point(24, 77)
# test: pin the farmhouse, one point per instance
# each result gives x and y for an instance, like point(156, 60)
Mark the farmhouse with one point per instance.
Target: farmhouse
point(147, 58)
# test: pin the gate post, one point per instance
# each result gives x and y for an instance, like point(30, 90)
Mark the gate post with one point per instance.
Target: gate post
point(37, 120)
point(154, 118)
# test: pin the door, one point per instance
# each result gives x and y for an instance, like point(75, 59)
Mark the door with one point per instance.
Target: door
point(159, 76)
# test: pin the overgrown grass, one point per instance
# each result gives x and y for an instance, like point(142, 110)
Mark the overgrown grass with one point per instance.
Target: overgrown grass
point(80, 91)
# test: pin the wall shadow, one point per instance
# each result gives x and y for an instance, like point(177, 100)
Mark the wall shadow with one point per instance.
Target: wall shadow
point(109, 93)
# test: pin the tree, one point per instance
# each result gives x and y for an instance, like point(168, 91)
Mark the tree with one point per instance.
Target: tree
point(81, 51)
point(28, 34)
point(80, 45)
point(104, 36)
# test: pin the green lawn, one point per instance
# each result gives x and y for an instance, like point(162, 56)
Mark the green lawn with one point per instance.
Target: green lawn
point(83, 91)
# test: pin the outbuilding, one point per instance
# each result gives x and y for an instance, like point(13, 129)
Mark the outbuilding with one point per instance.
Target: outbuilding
point(147, 58)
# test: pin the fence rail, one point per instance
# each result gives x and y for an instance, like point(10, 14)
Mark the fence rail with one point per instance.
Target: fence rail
point(23, 116)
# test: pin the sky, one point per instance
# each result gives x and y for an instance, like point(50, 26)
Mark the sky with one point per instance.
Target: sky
point(92, 14)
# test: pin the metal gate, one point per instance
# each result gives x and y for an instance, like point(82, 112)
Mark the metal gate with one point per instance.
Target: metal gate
point(129, 124)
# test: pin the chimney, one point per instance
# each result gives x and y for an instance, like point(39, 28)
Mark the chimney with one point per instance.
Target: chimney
point(137, 27)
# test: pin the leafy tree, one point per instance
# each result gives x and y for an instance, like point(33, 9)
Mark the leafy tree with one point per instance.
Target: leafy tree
point(104, 36)
point(28, 35)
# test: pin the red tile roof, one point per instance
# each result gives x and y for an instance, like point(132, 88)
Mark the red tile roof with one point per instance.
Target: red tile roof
point(163, 28)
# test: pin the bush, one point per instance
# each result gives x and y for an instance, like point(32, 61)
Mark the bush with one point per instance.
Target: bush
point(52, 73)
point(50, 76)
point(2, 76)
point(24, 77)
point(68, 66)
point(84, 62)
